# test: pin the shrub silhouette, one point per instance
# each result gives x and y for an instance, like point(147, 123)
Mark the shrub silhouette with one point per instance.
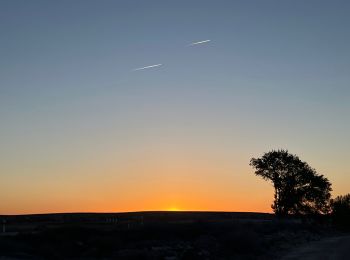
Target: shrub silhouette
point(298, 187)
point(341, 211)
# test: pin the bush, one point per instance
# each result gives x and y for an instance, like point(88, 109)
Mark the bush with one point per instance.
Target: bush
point(341, 211)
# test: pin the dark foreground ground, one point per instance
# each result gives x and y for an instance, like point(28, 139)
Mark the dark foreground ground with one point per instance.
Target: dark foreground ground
point(330, 248)
point(155, 235)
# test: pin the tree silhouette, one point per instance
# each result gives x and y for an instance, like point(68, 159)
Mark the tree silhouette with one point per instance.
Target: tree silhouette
point(298, 187)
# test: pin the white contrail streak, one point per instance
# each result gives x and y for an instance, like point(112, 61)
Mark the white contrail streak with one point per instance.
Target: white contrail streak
point(195, 43)
point(147, 67)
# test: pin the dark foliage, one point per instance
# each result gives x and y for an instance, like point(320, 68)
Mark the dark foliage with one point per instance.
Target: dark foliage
point(341, 211)
point(299, 189)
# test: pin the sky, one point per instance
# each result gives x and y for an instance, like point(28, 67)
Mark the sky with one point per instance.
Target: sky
point(81, 130)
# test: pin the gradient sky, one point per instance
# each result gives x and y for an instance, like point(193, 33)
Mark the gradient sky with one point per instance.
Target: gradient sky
point(81, 131)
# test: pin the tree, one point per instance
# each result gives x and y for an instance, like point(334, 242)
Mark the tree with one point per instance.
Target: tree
point(299, 189)
point(341, 211)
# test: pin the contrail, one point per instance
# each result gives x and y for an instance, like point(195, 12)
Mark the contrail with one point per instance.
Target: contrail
point(147, 67)
point(195, 43)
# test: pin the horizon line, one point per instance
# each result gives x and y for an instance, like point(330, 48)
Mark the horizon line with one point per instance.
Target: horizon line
point(141, 211)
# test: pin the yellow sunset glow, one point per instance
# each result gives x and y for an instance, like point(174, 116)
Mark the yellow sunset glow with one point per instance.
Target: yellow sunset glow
point(173, 209)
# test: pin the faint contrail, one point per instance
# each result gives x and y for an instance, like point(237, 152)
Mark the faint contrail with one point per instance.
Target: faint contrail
point(147, 67)
point(195, 43)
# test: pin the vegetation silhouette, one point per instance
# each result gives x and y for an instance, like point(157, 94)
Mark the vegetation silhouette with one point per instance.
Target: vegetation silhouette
point(299, 189)
point(341, 211)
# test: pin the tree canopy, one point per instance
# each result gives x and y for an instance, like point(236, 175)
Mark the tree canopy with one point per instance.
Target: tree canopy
point(299, 189)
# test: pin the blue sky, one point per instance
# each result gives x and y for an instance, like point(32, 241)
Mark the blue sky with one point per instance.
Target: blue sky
point(274, 75)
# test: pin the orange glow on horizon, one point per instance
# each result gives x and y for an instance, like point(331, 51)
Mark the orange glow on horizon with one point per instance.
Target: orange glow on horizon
point(173, 209)
point(154, 181)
